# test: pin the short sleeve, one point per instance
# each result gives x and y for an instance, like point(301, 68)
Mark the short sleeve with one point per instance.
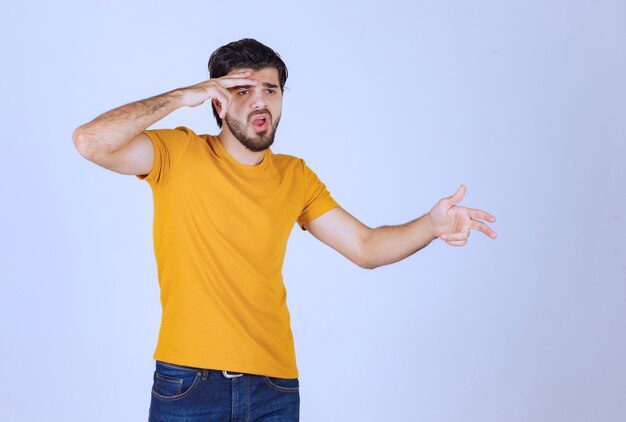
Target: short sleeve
point(169, 147)
point(317, 199)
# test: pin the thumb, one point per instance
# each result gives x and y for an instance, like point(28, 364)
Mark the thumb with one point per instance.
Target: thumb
point(458, 196)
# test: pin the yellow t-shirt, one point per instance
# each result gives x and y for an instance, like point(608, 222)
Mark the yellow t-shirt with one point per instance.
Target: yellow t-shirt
point(220, 235)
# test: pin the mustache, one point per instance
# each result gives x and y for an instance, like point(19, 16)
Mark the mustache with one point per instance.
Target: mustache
point(264, 111)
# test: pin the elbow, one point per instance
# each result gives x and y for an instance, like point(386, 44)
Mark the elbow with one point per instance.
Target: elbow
point(366, 265)
point(364, 258)
point(366, 262)
point(81, 142)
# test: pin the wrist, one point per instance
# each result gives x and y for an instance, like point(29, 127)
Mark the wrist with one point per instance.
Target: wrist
point(432, 229)
point(176, 98)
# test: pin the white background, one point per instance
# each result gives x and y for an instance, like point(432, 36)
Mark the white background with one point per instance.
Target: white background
point(394, 105)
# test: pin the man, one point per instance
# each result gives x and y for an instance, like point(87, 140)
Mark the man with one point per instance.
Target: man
point(224, 207)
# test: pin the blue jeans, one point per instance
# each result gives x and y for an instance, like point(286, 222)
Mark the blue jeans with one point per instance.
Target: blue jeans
point(183, 393)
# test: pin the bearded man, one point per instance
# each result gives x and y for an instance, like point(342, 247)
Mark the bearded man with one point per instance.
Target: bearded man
point(224, 207)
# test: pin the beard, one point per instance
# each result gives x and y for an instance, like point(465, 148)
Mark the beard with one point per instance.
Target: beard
point(260, 141)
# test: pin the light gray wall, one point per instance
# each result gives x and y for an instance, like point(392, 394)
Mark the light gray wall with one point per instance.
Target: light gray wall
point(393, 104)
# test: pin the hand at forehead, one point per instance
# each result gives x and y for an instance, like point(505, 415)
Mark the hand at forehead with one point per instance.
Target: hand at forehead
point(266, 75)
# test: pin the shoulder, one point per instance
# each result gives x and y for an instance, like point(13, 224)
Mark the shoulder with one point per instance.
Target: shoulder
point(186, 132)
point(180, 132)
point(288, 161)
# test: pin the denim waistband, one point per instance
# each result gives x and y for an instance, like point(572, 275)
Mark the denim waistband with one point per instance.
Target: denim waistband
point(226, 374)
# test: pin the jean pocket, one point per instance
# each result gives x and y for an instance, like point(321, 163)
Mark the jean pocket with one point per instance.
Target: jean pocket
point(172, 382)
point(285, 385)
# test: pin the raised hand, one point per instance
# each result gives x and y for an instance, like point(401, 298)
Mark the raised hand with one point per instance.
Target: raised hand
point(216, 88)
point(453, 223)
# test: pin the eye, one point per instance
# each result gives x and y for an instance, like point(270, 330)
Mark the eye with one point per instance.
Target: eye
point(270, 91)
point(243, 91)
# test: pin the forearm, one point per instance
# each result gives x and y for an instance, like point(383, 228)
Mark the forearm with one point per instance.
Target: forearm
point(114, 129)
point(388, 244)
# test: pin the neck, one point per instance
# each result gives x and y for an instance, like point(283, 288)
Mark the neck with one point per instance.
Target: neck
point(236, 150)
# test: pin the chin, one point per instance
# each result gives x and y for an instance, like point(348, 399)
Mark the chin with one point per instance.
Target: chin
point(259, 148)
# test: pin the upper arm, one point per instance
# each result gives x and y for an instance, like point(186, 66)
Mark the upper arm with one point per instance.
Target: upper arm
point(136, 158)
point(342, 232)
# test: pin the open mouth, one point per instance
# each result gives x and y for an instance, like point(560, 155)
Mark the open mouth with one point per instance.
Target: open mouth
point(260, 123)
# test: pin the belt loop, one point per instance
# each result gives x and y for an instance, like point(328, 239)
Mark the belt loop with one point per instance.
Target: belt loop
point(205, 374)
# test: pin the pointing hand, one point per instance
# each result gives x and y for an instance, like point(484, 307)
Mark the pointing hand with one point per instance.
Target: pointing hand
point(452, 223)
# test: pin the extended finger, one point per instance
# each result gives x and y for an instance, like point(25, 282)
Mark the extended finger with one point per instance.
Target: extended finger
point(456, 197)
point(229, 83)
point(474, 213)
point(239, 72)
point(479, 225)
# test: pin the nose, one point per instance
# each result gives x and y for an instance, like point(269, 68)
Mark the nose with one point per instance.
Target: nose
point(258, 100)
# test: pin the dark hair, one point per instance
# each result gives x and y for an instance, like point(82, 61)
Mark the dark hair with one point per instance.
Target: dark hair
point(245, 53)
